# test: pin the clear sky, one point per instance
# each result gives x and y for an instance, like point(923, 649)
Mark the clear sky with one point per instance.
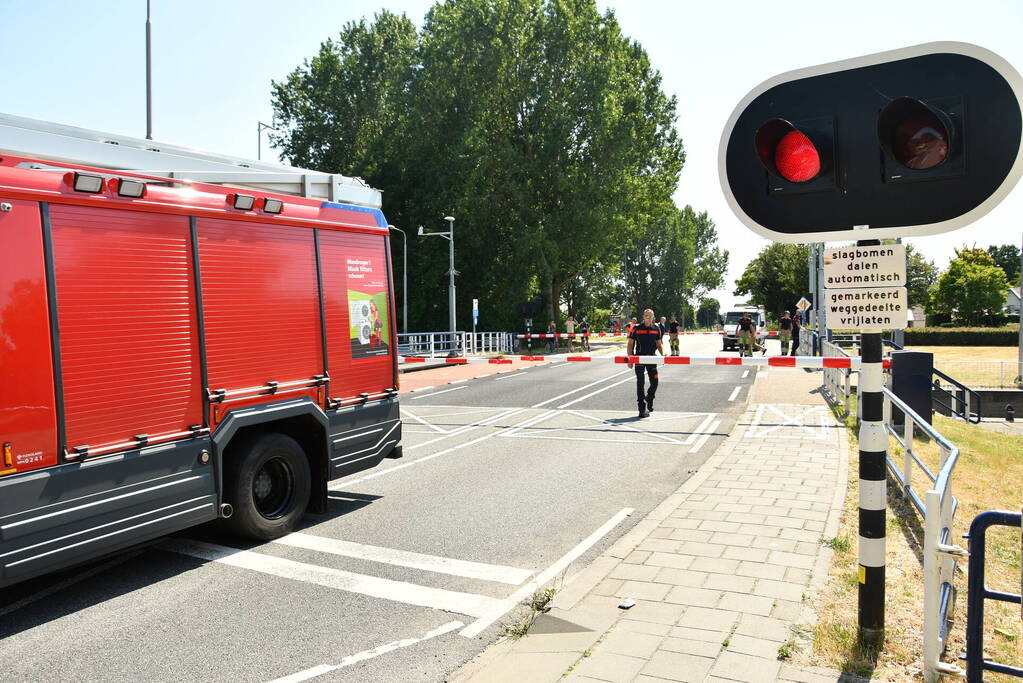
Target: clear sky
point(83, 63)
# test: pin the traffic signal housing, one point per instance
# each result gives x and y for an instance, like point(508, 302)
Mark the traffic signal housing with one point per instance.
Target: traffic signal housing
point(915, 141)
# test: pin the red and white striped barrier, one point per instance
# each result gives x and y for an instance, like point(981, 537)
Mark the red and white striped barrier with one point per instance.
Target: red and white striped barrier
point(564, 335)
point(766, 361)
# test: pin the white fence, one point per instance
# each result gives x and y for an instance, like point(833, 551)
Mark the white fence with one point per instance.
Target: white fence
point(435, 344)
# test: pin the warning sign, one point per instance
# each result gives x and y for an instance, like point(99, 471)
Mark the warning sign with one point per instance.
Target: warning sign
point(877, 308)
point(882, 265)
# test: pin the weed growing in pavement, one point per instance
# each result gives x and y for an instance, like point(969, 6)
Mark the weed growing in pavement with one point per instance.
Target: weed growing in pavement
point(837, 544)
point(538, 603)
point(785, 649)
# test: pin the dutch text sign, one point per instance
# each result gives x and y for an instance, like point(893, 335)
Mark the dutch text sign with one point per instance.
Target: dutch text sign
point(877, 308)
point(882, 265)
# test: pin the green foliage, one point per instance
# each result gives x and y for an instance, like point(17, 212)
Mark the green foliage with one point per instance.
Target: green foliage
point(709, 312)
point(1007, 257)
point(536, 123)
point(970, 288)
point(777, 278)
point(976, 336)
point(921, 274)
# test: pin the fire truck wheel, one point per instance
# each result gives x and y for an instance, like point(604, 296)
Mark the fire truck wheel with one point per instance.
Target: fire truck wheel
point(268, 482)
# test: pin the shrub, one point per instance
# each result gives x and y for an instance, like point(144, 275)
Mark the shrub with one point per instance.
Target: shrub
point(961, 336)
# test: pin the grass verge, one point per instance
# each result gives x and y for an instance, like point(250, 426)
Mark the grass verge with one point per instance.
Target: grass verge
point(988, 476)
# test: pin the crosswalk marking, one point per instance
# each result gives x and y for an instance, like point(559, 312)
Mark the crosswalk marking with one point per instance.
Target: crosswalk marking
point(403, 558)
point(469, 604)
point(807, 422)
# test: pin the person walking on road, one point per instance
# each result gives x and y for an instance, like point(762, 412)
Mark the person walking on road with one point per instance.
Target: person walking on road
point(785, 333)
point(570, 329)
point(673, 335)
point(644, 340)
point(584, 330)
point(747, 335)
point(552, 341)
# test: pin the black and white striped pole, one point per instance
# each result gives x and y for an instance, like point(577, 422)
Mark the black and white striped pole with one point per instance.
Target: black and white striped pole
point(873, 501)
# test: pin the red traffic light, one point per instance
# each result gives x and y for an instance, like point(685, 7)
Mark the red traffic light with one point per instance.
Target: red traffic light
point(787, 152)
point(913, 134)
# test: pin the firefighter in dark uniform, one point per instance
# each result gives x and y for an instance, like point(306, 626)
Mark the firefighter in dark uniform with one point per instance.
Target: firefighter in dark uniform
point(644, 339)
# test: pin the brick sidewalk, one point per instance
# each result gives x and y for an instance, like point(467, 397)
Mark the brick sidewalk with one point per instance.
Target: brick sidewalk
point(720, 571)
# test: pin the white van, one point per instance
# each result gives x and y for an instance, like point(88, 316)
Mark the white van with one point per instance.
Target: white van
point(730, 340)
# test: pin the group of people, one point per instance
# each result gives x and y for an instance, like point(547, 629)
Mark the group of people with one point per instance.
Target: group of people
point(570, 328)
point(788, 332)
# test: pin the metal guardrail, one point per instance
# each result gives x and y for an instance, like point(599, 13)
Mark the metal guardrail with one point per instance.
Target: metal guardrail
point(837, 381)
point(963, 402)
point(435, 344)
point(978, 592)
point(938, 508)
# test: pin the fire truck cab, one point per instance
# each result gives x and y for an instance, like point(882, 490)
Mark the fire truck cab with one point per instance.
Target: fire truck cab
point(183, 337)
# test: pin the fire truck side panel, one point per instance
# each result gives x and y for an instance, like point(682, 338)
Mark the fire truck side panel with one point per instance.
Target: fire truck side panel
point(260, 304)
point(127, 313)
point(360, 348)
point(28, 416)
point(63, 515)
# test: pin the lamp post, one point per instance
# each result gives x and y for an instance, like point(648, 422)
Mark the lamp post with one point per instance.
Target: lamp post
point(260, 127)
point(450, 237)
point(404, 278)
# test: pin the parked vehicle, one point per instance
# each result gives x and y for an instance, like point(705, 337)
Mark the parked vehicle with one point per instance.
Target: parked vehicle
point(173, 350)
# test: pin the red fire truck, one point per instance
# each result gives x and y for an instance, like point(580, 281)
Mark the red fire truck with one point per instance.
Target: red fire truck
point(183, 336)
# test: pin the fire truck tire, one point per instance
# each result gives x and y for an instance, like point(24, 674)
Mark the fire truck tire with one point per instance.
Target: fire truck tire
point(268, 482)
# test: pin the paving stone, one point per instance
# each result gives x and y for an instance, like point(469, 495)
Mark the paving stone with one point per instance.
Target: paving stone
point(659, 545)
point(746, 668)
point(608, 587)
point(807, 674)
point(657, 612)
point(728, 582)
point(536, 667)
point(675, 666)
point(800, 535)
point(671, 560)
point(700, 634)
point(702, 549)
point(700, 535)
point(661, 532)
point(780, 589)
point(607, 666)
point(643, 590)
point(709, 514)
point(814, 526)
point(787, 610)
point(646, 627)
point(680, 577)
point(806, 548)
point(634, 572)
point(708, 619)
point(686, 595)
point(680, 522)
point(724, 538)
point(790, 559)
point(794, 575)
point(712, 525)
point(630, 643)
point(714, 564)
point(733, 507)
point(640, 556)
point(784, 544)
point(747, 554)
point(700, 648)
point(747, 604)
point(786, 522)
point(768, 628)
point(749, 645)
point(761, 571)
point(745, 518)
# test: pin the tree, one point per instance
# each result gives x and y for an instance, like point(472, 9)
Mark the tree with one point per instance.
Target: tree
point(777, 278)
point(536, 123)
point(709, 312)
point(971, 287)
point(1007, 257)
point(920, 275)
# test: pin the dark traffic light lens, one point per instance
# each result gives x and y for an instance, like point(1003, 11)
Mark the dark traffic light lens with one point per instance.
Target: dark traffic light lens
point(796, 158)
point(913, 134)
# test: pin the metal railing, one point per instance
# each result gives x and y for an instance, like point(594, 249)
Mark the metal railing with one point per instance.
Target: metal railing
point(938, 508)
point(978, 592)
point(992, 374)
point(963, 402)
point(435, 344)
point(836, 381)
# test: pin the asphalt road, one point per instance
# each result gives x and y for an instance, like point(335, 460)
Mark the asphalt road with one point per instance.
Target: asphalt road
point(506, 479)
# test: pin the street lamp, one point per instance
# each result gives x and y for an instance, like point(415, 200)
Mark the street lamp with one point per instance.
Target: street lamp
point(404, 278)
point(450, 237)
point(260, 127)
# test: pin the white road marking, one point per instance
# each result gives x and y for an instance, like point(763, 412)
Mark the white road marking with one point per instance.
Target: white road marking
point(517, 374)
point(587, 386)
point(367, 654)
point(469, 604)
point(802, 420)
point(614, 426)
point(699, 430)
point(735, 392)
point(594, 393)
point(403, 558)
point(426, 388)
point(77, 578)
point(459, 381)
point(509, 603)
point(421, 421)
point(437, 393)
point(342, 484)
point(703, 439)
point(745, 373)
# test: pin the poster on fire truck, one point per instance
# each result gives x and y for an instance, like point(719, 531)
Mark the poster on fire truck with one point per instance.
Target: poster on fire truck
point(367, 302)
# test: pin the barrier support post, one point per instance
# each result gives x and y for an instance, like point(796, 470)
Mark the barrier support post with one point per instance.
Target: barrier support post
point(873, 502)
